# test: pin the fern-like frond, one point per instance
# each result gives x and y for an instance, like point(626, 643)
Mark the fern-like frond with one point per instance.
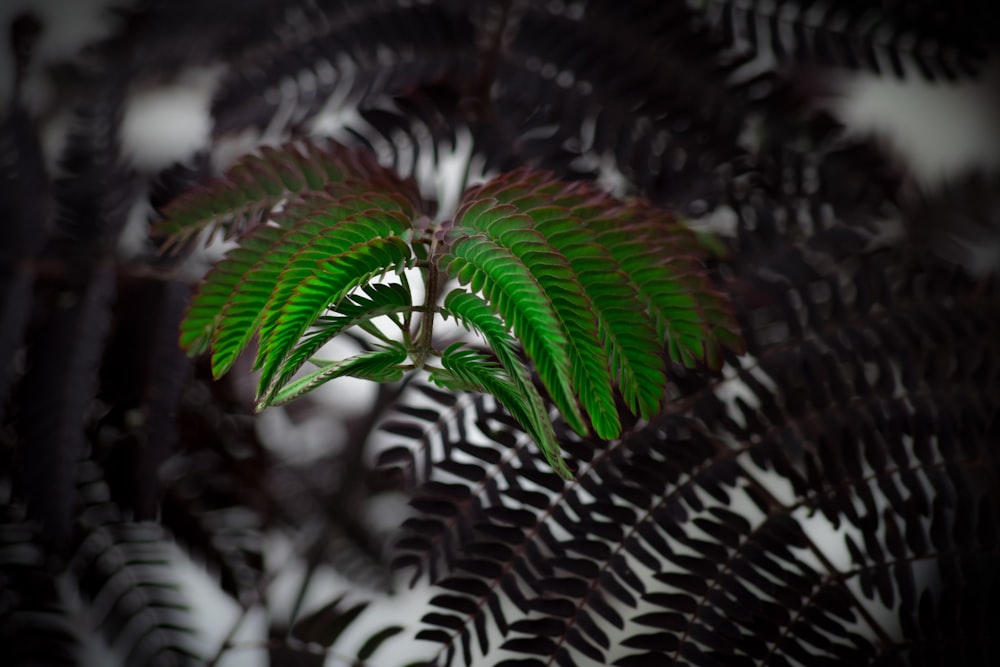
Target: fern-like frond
point(248, 288)
point(470, 370)
point(697, 538)
point(664, 262)
point(325, 234)
point(256, 184)
point(592, 303)
point(617, 280)
point(515, 293)
point(876, 36)
point(551, 270)
point(201, 323)
point(379, 365)
point(474, 313)
point(662, 91)
point(377, 300)
point(245, 300)
point(328, 276)
point(634, 353)
point(125, 572)
point(347, 55)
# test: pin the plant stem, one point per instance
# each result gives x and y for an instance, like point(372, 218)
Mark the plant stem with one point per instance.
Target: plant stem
point(409, 313)
point(426, 332)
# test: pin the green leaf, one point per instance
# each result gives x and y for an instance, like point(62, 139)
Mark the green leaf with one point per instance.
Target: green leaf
point(353, 310)
point(244, 302)
point(329, 232)
point(383, 364)
point(514, 293)
point(586, 356)
point(474, 313)
point(593, 288)
point(659, 256)
point(635, 353)
point(229, 307)
point(677, 292)
point(207, 307)
point(334, 231)
point(470, 370)
point(330, 280)
point(255, 184)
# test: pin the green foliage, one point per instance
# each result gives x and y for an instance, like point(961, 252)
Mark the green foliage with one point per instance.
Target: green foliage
point(594, 289)
point(255, 185)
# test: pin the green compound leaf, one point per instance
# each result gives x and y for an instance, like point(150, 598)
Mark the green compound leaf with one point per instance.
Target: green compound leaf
point(382, 364)
point(255, 184)
point(583, 352)
point(597, 291)
point(206, 313)
point(331, 279)
point(514, 292)
point(475, 314)
point(354, 310)
point(467, 369)
point(634, 353)
point(601, 287)
point(245, 301)
point(243, 283)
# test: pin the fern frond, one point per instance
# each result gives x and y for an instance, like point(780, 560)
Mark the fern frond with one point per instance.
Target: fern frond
point(593, 288)
point(250, 189)
point(380, 365)
point(336, 276)
point(354, 310)
point(616, 279)
point(635, 354)
point(515, 293)
point(476, 314)
point(205, 313)
point(350, 56)
point(662, 259)
point(853, 35)
point(472, 371)
point(126, 573)
point(323, 235)
point(874, 420)
point(231, 303)
point(317, 277)
point(246, 299)
point(584, 353)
